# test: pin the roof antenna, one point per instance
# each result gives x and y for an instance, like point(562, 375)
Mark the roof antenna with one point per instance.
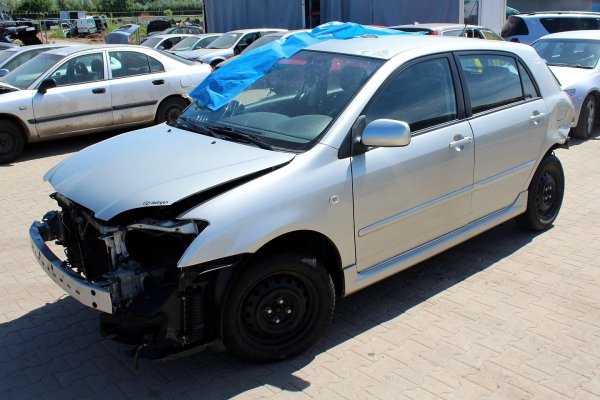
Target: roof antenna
point(470, 14)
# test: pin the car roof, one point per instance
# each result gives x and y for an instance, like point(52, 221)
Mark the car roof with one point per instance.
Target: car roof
point(439, 25)
point(67, 51)
point(170, 35)
point(555, 14)
point(203, 35)
point(387, 46)
point(590, 34)
point(257, 30)
point(19, 49)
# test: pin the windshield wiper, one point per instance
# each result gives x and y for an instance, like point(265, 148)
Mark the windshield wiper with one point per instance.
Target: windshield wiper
point(232, 133)
point(194, 126)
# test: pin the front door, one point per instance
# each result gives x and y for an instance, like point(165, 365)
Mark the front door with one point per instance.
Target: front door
point(407, 196)
point(81, 101)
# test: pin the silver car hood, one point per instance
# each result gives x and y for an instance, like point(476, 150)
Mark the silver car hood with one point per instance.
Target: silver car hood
point(155, 166)
point(568, 76)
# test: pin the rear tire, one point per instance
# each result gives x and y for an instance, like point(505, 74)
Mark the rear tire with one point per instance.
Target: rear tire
point(12, 141)
point(277, 307)
point(170, 110)
point(587, 118)
point(545, 196)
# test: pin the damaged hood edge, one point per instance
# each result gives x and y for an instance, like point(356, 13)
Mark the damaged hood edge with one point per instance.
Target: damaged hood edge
point(156, 166)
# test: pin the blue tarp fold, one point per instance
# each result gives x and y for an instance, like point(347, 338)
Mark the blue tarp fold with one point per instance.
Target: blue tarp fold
point(225, 83)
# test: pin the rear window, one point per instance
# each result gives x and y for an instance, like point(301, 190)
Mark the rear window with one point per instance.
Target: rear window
point(514, 26)
point(562, 24)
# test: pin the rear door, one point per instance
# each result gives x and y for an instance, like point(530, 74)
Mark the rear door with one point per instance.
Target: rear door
point(405, 197)
point(138, 82)
point(509, 121)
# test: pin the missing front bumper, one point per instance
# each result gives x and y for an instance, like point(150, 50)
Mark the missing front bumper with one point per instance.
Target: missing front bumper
point(84, 291)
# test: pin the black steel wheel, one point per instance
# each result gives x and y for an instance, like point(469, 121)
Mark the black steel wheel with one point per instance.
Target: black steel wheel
point(170, 110)
point(545, 196)
point(587, 119)
point(11, 141)
point(277, 307)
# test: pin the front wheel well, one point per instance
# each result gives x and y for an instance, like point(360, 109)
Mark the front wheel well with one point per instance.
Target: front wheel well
point(314, 243)
point(176, 100)
point(19, 123)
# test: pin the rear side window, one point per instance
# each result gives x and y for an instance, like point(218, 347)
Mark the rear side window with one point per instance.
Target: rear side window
point(494, 81)
point(131, 63)
point(562, 24)
point(514, 26)
point(529, 89)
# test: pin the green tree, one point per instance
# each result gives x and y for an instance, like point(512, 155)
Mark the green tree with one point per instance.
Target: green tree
point(115, 5)
point(36, 6)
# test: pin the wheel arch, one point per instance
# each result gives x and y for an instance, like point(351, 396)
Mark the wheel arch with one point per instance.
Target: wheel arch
point(313, 242)
point(595, 92)
point(169, 98)
point(24, 129)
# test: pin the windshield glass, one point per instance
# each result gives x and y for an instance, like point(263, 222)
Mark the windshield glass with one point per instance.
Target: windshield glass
point(224, 41)
point(263, 40)
point(569, 52)
point(27, 73)
point(5, 54)
point(185, 44)
point(151, 42)
point(292, 105)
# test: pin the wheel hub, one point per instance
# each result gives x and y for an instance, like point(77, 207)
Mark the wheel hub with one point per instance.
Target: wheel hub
point(547, 193)
point(276, 307)
point(590, 117)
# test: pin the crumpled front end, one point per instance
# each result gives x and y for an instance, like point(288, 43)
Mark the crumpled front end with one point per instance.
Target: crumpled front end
point(127, 268)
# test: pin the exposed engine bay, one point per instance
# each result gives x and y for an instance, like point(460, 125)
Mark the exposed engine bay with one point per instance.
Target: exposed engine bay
point(152, 301)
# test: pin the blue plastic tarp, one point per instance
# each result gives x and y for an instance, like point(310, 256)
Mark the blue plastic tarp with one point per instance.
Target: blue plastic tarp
point(225, 83)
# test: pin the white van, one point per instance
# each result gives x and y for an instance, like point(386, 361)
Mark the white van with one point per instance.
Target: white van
point(86, 26)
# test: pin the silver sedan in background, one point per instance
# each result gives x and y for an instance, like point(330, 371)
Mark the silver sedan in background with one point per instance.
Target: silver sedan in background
point(573, 58)
point(13, 57)
point(83, 89)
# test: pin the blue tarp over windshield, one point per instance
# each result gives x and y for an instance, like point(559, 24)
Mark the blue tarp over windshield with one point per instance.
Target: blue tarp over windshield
point(225, 83)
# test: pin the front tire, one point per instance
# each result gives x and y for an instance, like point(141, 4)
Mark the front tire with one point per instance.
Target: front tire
point(587, 118)
point(170, 110)
point(278, 306)
point(12, 141)
point(545, 196)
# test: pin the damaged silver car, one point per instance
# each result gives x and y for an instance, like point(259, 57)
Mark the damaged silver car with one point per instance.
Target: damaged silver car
point(341, 165)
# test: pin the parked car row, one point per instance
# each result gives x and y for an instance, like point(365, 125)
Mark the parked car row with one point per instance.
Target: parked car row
point(81, 89)
point(577, 75)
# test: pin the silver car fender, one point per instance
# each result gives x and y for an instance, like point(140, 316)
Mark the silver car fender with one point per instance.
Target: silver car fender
point(313, 192)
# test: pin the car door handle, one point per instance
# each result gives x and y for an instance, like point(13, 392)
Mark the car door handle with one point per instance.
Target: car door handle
point(537, 117)
point(99, 91)
point(459, 144)
point(158, 82)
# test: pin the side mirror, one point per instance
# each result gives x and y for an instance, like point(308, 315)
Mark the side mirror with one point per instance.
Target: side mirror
point(3, 72)
point(45, 85)
point(386, 133)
